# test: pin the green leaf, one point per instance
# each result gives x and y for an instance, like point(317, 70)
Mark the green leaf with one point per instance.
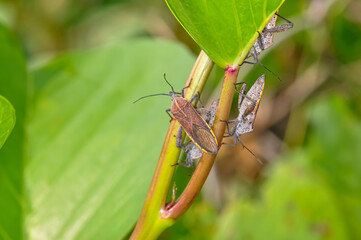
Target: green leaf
point(346, 35)
point(310, 194)
point(92, 151)
point(225, 30)
point(334, 145)
point(7, 119)
point(13, 86)
point(295, 204)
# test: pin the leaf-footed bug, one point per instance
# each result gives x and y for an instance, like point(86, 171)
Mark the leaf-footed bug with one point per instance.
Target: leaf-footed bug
point(190, 120)
point(248, 106)
point(265, 39)
point(192, 150)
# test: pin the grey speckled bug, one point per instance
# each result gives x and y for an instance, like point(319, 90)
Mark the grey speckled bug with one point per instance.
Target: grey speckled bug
point(265, 39)
point(248, 106)
point(192, 150)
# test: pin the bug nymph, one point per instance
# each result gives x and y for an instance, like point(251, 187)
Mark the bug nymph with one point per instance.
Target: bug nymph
point(190, 120)
point(248, 106)
point(265, 39)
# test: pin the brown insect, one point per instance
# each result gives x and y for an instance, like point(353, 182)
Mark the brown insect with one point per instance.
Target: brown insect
point(193, 152)
point(190, 120)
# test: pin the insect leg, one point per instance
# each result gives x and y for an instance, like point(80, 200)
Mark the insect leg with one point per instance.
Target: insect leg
point(231, 144)
point(242, 92)
point(281, 28)
point(244, 146)
point(243, 95)
point(227, 124)
point(256, 59)
point(184, 146)
point(186, 87)
point(188, 165)
point(199, 99)
point(252, 53)
point(196, 96)
point(178, 138)
point(243, 89)
point(168, 112)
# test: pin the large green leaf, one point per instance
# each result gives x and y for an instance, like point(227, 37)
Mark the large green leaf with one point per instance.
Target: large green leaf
point(12, 87)
point(7, 119)
point(225, 30)
point(92, 151)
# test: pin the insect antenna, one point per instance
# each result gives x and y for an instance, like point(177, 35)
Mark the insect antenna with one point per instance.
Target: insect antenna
point(151, 96)
point(169, 83)
point(269, 71)
point(249, 150)
point(285, 19)
point(255, 57)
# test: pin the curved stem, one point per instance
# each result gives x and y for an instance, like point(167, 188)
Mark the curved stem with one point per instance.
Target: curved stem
point(205, 165)
point(150, 223)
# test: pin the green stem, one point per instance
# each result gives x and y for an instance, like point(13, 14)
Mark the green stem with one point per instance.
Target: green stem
point(150, 223)
point(205, 165)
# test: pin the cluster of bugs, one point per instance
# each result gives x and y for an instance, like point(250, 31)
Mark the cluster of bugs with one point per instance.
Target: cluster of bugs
point(197, 123)
point(190, 148)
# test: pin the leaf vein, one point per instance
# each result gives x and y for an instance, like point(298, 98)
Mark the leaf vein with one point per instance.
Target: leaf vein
point(251, 9)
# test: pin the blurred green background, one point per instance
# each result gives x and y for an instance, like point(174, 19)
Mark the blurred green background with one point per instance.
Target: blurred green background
point(79, 160)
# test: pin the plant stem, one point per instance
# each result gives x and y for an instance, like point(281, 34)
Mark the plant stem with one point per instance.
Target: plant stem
point(205, 165)
point(150, 223)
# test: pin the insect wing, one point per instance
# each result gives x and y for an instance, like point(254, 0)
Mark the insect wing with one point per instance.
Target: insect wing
point(212, 112)
point(192, 150)
point(205, 139)
point(194, 125)
point(249, 106)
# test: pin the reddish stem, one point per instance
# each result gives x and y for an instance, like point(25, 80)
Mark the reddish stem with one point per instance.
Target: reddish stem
point(205, 165)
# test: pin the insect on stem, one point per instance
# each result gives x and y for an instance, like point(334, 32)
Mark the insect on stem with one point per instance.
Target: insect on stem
point(248, 106)
point(265, 40)
point(190, 120)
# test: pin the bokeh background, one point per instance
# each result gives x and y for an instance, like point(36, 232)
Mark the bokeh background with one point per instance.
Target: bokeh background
point(308, 127)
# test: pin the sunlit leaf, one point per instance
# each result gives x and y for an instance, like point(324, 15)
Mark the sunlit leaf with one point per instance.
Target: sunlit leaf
point(13, 85)
point(225, 30)
point(7, 119)
point(310, 194)
point(92, 151)
point(334, 144)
